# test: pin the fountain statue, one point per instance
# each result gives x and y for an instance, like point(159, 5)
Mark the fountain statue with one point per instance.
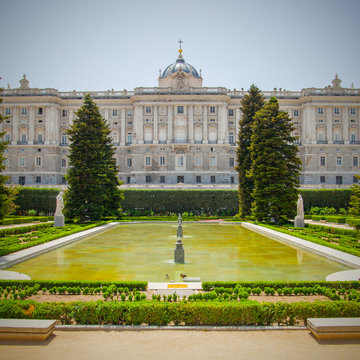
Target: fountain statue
point(179, 252)
point(59, 219)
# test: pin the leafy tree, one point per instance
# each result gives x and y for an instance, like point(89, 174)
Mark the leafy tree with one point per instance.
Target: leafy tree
point(250, 104)
point(92, 176)
point(7, 193)
point(355, 199)
point(275, 164)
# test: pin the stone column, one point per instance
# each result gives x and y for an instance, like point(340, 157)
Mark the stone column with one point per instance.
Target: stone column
point(71, 117)
point(52, 126)
point(15, 125)
point(191, 124)
point(309, 128)
point(122, 128)
point(47, 131)
point(31, 125)
point(106, 115)
point(222, 125)
point(237, 120)
point(138, 125)
point(329, 125)
point(205, 126)
point(346, 125)
point(156, 124)
point(170, 124)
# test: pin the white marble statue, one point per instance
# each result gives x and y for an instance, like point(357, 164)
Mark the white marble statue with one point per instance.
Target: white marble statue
point(300, 207)
point(59, 204)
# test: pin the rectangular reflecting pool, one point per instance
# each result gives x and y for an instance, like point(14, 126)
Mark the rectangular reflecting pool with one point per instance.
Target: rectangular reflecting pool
point(146, 252)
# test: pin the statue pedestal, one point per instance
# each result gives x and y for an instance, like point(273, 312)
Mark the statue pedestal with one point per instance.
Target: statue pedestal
point(299, 222)
point(59, 220)
point(179, 253)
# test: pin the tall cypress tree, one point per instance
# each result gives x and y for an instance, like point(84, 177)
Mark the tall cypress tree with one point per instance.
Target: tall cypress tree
point(7, 193)
point(275, 164)
point(250, 104)
point(92, 176)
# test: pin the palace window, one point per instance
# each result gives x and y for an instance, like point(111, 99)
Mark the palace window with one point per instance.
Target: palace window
point(198, 179)
point(355, 161)
point(162, 160)
point(336, 111)
point(147, 160)
point(180, 109)
point(40, 111)
point(338, 161)
point(37, 161)
point(320, 110)
point(212, 109)
point(21, 180)
point(7, 137)
point(353, 138)
point(38, 180)
point(7, 111)
point(129, 162)
point(339, 180)
point(23, 111)
point(64, 113)
point(322, 160)
point(148, 109)
point(212, 179)
point(21, 161)
point(212, 161)
point(114, 113)
point(322, 179)
point(231, 162)
point(232, 180)
point(148, 179)
point(129, 113)
point(63, 139)
point(352, 111)
point(129, 138)
point(231, 112)
point(180, 161)
point(162, 179)
point(296, 112)
point(128, 180)
point(63, 163)
point(355, 180)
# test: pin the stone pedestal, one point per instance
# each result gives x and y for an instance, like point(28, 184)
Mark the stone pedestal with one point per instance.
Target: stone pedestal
point(179, 253)
point(59, 220)
point(299, 222)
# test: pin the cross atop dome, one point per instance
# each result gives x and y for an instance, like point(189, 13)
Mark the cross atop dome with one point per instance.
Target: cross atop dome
point(180, 42)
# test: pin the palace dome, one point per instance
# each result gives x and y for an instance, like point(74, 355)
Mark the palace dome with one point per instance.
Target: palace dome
point(180, 65)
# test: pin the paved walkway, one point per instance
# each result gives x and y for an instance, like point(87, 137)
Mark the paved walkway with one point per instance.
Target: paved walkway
point(340, 226)
point(24, 224)
point(180, 345)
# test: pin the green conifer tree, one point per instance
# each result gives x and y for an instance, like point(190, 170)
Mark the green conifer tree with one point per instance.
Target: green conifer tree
point(275, 164)
point(355, 199)
point(250, 104)
point(92, 176)
point(7, 193)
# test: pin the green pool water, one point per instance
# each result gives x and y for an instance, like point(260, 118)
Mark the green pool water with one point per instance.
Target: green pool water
point(146, 252)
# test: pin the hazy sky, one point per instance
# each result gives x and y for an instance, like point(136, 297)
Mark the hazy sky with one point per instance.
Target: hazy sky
point(100, 45)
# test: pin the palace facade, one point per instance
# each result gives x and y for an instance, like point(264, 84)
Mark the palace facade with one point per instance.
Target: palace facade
point(179, 132)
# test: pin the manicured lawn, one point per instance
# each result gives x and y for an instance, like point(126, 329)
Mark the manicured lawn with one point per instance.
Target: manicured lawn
point(340, 239)
point(15, 239)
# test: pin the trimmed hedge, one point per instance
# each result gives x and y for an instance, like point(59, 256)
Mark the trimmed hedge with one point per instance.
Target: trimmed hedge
point(25, 220)
point(185, 313)
point(48, 284)
point(40, 199)
point(211, 285)
point(337, 199)
point(143, 202)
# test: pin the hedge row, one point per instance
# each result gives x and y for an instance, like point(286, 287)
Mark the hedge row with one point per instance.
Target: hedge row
point(41, 199)
point(138, 202)
point(183, 313)
point(211, 285)
point(48, 284)
point(25, 220)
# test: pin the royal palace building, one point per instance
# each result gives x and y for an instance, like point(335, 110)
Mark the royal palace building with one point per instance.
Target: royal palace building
point(179, 132)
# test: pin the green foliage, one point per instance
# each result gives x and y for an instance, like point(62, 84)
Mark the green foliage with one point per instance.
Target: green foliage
point(43, 200)
point(252, 102)
point(275, 164)
point(337, 198)
point(7, 193)
point(193, 313)
point(164, 202)
point(355, 199)
point(93, 191)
